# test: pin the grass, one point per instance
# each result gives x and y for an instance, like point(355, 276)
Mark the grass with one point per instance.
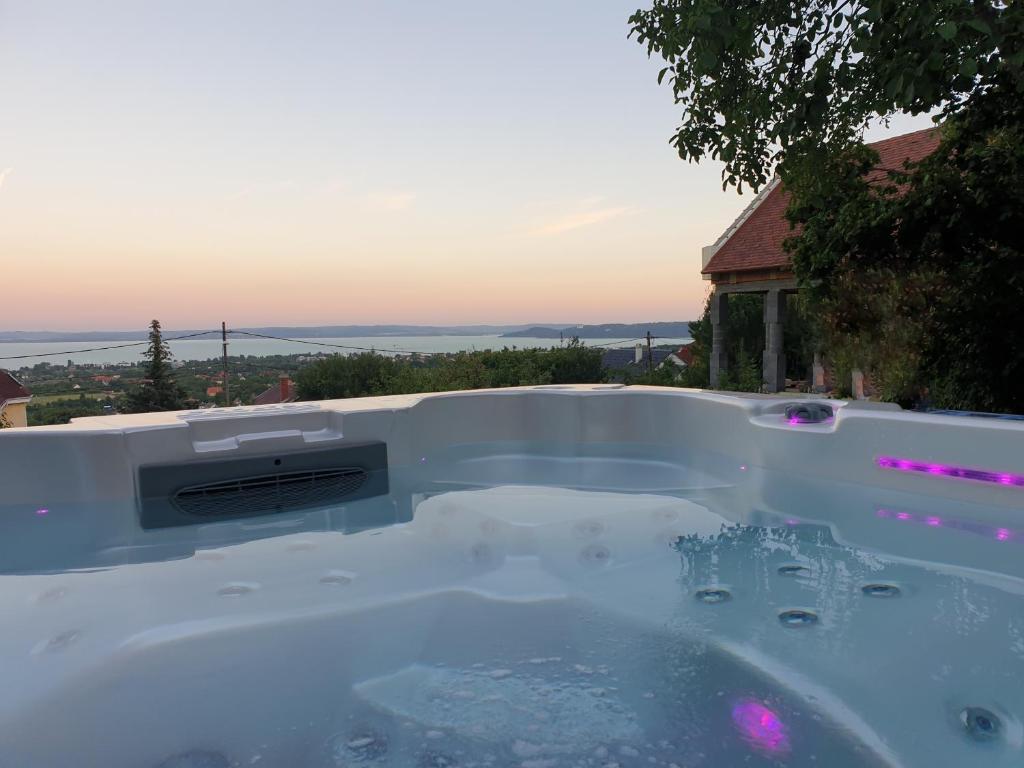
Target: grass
point(73, 395)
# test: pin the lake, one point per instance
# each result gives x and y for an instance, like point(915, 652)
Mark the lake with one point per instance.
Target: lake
point(204, 349)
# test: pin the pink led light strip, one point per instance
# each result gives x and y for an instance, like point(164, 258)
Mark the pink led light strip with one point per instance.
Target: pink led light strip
point(947, 470)
point(968, 526)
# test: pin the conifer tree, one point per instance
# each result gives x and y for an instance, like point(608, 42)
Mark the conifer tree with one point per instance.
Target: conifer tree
point(158, 391)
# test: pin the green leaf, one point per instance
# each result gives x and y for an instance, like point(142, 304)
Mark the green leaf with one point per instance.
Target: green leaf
point(948, 30)
point(980, 25)
point(969, 67)
point(895, 86)
point(908, 94)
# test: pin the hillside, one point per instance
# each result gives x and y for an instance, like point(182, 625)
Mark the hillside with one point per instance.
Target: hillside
point(673, 330)
point(306, 332)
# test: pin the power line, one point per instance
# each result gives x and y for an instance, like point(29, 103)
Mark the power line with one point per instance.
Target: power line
point(336, 346)
point(627, 341)
point(227, 385)
point(102, 349)
point(276, 338)
point(623, 341)
point(406, 351)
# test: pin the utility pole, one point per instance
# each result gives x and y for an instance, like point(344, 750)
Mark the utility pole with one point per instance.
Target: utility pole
point(227, 386)
point(650, 356)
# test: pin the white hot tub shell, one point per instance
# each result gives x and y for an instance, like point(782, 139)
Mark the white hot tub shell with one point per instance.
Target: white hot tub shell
point(539, 544)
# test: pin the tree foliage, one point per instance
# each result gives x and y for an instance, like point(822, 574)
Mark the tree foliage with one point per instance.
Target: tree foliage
point(64, 410)
point(372, 374)
point(159, 391)
point(931, 263)
point(913, 276)
point(764, 81)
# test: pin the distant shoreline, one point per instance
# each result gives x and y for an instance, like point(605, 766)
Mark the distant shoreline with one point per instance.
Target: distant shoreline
point(674, 329)
point(537, 330)
point(113, 351)
point(307, 332)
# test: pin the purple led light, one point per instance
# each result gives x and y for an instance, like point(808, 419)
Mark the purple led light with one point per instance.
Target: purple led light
point(42, 512)
point(968, 526)
point(760, 727)
point(948, 470)
point(794, 420)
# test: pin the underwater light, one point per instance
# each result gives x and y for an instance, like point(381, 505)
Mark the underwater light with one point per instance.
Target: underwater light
point(948, 470)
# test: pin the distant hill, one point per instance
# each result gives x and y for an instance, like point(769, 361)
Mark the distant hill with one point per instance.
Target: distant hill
point(539, 330)
point(306, 332)
point(671, 330)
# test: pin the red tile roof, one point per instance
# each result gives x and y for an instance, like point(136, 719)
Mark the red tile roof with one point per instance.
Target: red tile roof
point(910, 147)
point(685, 353)
point(757, 242)
point(282, 392)
point(11, 388)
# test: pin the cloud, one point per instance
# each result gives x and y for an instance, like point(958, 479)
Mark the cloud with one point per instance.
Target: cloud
point(3, 176)
point(393, 201)
point(583, 218)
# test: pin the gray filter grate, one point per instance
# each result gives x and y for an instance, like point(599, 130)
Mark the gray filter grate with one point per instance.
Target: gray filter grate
point(269, 493)
point(201, 492)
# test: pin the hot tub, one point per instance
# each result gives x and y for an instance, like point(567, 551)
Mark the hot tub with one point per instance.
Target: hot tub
point(583, 576)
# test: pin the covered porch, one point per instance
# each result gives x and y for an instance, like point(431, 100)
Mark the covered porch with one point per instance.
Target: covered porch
point(749, 258)
point(773, 357)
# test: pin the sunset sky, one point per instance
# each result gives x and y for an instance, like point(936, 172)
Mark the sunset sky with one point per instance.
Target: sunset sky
point(342, 162)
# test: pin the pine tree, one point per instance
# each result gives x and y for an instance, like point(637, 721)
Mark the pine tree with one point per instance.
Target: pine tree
point(158, 391)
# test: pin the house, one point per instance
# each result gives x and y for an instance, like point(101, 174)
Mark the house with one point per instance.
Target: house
point(684, 355)
point(214, 391)
point(284, 392)
point(14, 400)
point(623, 361)
point(749, 258)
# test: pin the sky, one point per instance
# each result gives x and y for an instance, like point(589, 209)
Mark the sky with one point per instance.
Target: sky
point(343, 162)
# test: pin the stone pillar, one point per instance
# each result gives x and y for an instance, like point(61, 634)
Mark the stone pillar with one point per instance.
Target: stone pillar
point(719, 318)
point(857, 384)
point(817, 374)
point(774, 360)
